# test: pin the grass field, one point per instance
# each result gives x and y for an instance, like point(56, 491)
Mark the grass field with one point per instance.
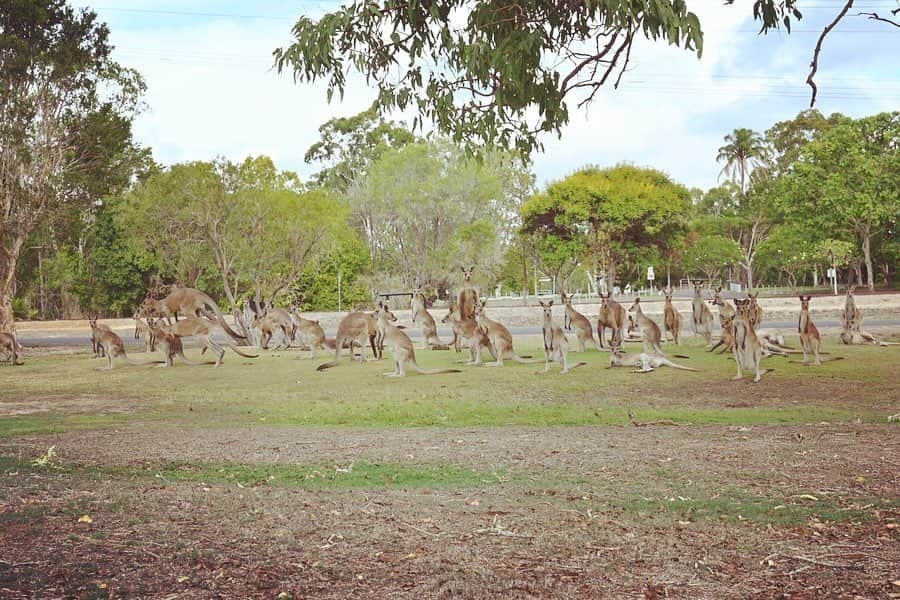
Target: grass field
point(265, 478)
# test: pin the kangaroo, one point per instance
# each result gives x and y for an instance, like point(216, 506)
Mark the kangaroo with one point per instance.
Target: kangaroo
point(468, 295)
point(671, 317)
point(203, 330)
point(809, 334)
point(271, 320)
point(422, 318)
point(190, 302)
point(9, 346)
point(650, 332)
point(401, 347)
point(171, 346)
point(500, 337)
point(468, 329)
point(311, 334)
point(582, 325)
point(748, 350)
point(114, 348)
point(357, 326)
point(726, 320)
point(852, 317)
point(142, 331)
point(611, 315)
point(95, 341)
point(701, 316)
point(556, 345)
point(756, 311)
point(644, 362)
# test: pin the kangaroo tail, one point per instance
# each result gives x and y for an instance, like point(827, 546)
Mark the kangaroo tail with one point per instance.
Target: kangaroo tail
point(682, 367)
point(576, 365)
point(415, 366)
point(235, 335)
point(338, 343)
point(138, 363)
point(681, 356)
point(188, 361)
point(239, 353)
point(526, 360)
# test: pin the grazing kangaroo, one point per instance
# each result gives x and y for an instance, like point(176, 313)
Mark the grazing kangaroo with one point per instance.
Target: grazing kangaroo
point(701, 316)
point(203, 330)
point(756, 311)
point(422, 318)
point(611, 315)
point(582, 325)
point(809, 334)
point(9, 346)
point(401, 346)
point(671, 317)
point(726, 320)
point(468, 295)
point(644, 362)
point(190, 302)
point(650, 332)
point(468, 329)
point(355, 327)
point(748, 350)
point(556, 345)
point(500, 337)
point(271, 320)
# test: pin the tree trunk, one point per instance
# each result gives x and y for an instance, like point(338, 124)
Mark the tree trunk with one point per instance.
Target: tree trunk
point(7, 323)
point(748, 270)
point(867, 254)
point(611, 276)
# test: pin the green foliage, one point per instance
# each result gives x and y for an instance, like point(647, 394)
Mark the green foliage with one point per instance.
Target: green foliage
point(744, 150)
point(710, 254)
point(349, 145)
point(788, 250)
point(316, 289)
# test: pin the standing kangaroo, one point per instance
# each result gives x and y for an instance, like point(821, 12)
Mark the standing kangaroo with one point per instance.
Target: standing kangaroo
point(468, 295)
point(203, 330)
point(500, 337)
point(671, 317)
point(748, 350)
point(95, 340)
point(582, 325)
point(701, 316)
point(191, 302)
point(726, 321)
point(355, 327)
point(611, 315)
point(556, 346)
point(422, 318)
point(113, 348)
point(9, 347)
point(650, 332)
point(809, 334)
point(401, 347)
point(468, 329)
point(756, 311)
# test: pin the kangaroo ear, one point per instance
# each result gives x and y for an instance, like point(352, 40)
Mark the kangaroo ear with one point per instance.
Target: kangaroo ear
point(549, 304)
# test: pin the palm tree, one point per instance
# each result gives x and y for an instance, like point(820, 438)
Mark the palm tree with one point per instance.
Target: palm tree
point(744, 150)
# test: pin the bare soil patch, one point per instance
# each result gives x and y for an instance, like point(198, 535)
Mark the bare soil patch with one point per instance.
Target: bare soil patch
point(68, 405)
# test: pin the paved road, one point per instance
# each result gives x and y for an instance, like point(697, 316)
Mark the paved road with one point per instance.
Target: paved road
point(39, 339)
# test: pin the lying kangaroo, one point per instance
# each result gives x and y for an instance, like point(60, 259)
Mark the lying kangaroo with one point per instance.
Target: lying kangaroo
point(401, 346)
point(190, 302)
point(701, 316)
point(500, 337)
point(203, 330)
point(422, 318)
point(468, 295)
point(9, 346)
point(671, 318)
point(809, 334)
point(556, 345)
point(650, 332)
point(582, 325)
point(357, 326)
point(611, 315)
point(644, 362)
point(468, 329)
point(748, 350)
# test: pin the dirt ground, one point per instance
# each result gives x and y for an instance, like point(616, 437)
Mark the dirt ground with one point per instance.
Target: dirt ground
point(559, 530)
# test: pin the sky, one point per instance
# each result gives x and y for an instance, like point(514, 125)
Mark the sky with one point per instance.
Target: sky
point(212, 90)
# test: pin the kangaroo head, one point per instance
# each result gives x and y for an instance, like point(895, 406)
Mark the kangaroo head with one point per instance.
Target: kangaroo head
point(467, 273)
point(636, 307)
point(479, 309)
point(547, 309)
point(615, 348)
point(804, 302)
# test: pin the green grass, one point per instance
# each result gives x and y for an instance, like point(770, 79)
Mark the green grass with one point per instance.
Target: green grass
point(308, 477)
point(278, 389)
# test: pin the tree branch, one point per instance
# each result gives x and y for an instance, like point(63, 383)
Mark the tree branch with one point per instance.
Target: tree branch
point(874, 17)
point(814, 65)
